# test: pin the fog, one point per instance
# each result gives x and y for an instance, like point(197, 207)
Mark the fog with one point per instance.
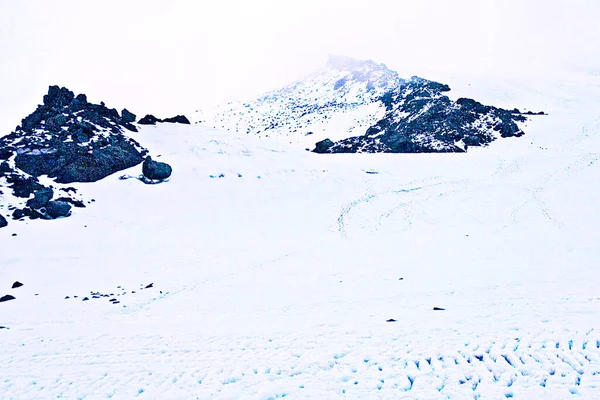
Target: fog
point(171, 57)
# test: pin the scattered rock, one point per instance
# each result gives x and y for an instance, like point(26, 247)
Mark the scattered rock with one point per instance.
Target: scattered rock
point(156, 170)
point(67, 297)
point(17, 284)
point(85, 299)
point(438, 309)
point(149, 286)
point(391, 320)
point(6, 298)
point(400, 279)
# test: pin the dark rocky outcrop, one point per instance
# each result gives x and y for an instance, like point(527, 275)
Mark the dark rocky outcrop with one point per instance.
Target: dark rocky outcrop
point(149, 119)
point(16, 285)
point(179, 119)
point(3, 221)
point(69, 140)
point(155, 170)
point(421, 119)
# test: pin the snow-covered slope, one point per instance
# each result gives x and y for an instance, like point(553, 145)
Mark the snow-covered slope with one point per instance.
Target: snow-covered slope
point(338, 101)
point(274, 270)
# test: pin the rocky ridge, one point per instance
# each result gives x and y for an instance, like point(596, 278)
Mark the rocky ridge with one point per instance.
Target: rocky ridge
point(65, 140)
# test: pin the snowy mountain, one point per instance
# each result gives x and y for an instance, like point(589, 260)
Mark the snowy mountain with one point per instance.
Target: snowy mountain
point(259, 270)
point(338, 101)
point(354, 106)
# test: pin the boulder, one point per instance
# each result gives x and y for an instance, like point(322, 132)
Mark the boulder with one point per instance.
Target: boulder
point(323, 146)
point(179, 119)
point(3, 222)
point(149, 119)
point(16, 285)
point(156, 170)
point(58, 209)
point(41, 198)
point(127, 117)
point(6, 298)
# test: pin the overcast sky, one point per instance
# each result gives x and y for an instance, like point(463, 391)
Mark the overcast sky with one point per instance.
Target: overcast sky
point(167, 57)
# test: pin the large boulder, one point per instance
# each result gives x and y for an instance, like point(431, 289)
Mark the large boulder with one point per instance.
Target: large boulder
point(58, 209)
point(156, 170)
point(41, 198)
point(3, 221)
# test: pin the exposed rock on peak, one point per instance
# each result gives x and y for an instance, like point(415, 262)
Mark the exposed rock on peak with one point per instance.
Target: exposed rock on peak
point(421, 119)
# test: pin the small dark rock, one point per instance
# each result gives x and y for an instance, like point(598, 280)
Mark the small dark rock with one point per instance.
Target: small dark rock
point(85, 299)
point(14, 234)
point(3, 222)
point(156, 170)
point(149, 286)
point(391, 320)
point(67, 297)
point(6, 298)
point(17, 284)
point(400, 279)
point(438, 309)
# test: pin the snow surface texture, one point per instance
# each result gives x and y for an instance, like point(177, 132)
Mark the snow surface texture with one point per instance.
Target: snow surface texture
point(353, 106)
point(274, 270)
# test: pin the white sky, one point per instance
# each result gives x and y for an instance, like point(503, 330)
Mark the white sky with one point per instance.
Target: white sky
point(167, 57)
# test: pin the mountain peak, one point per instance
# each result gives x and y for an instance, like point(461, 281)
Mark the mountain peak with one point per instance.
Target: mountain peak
point(343, 62)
